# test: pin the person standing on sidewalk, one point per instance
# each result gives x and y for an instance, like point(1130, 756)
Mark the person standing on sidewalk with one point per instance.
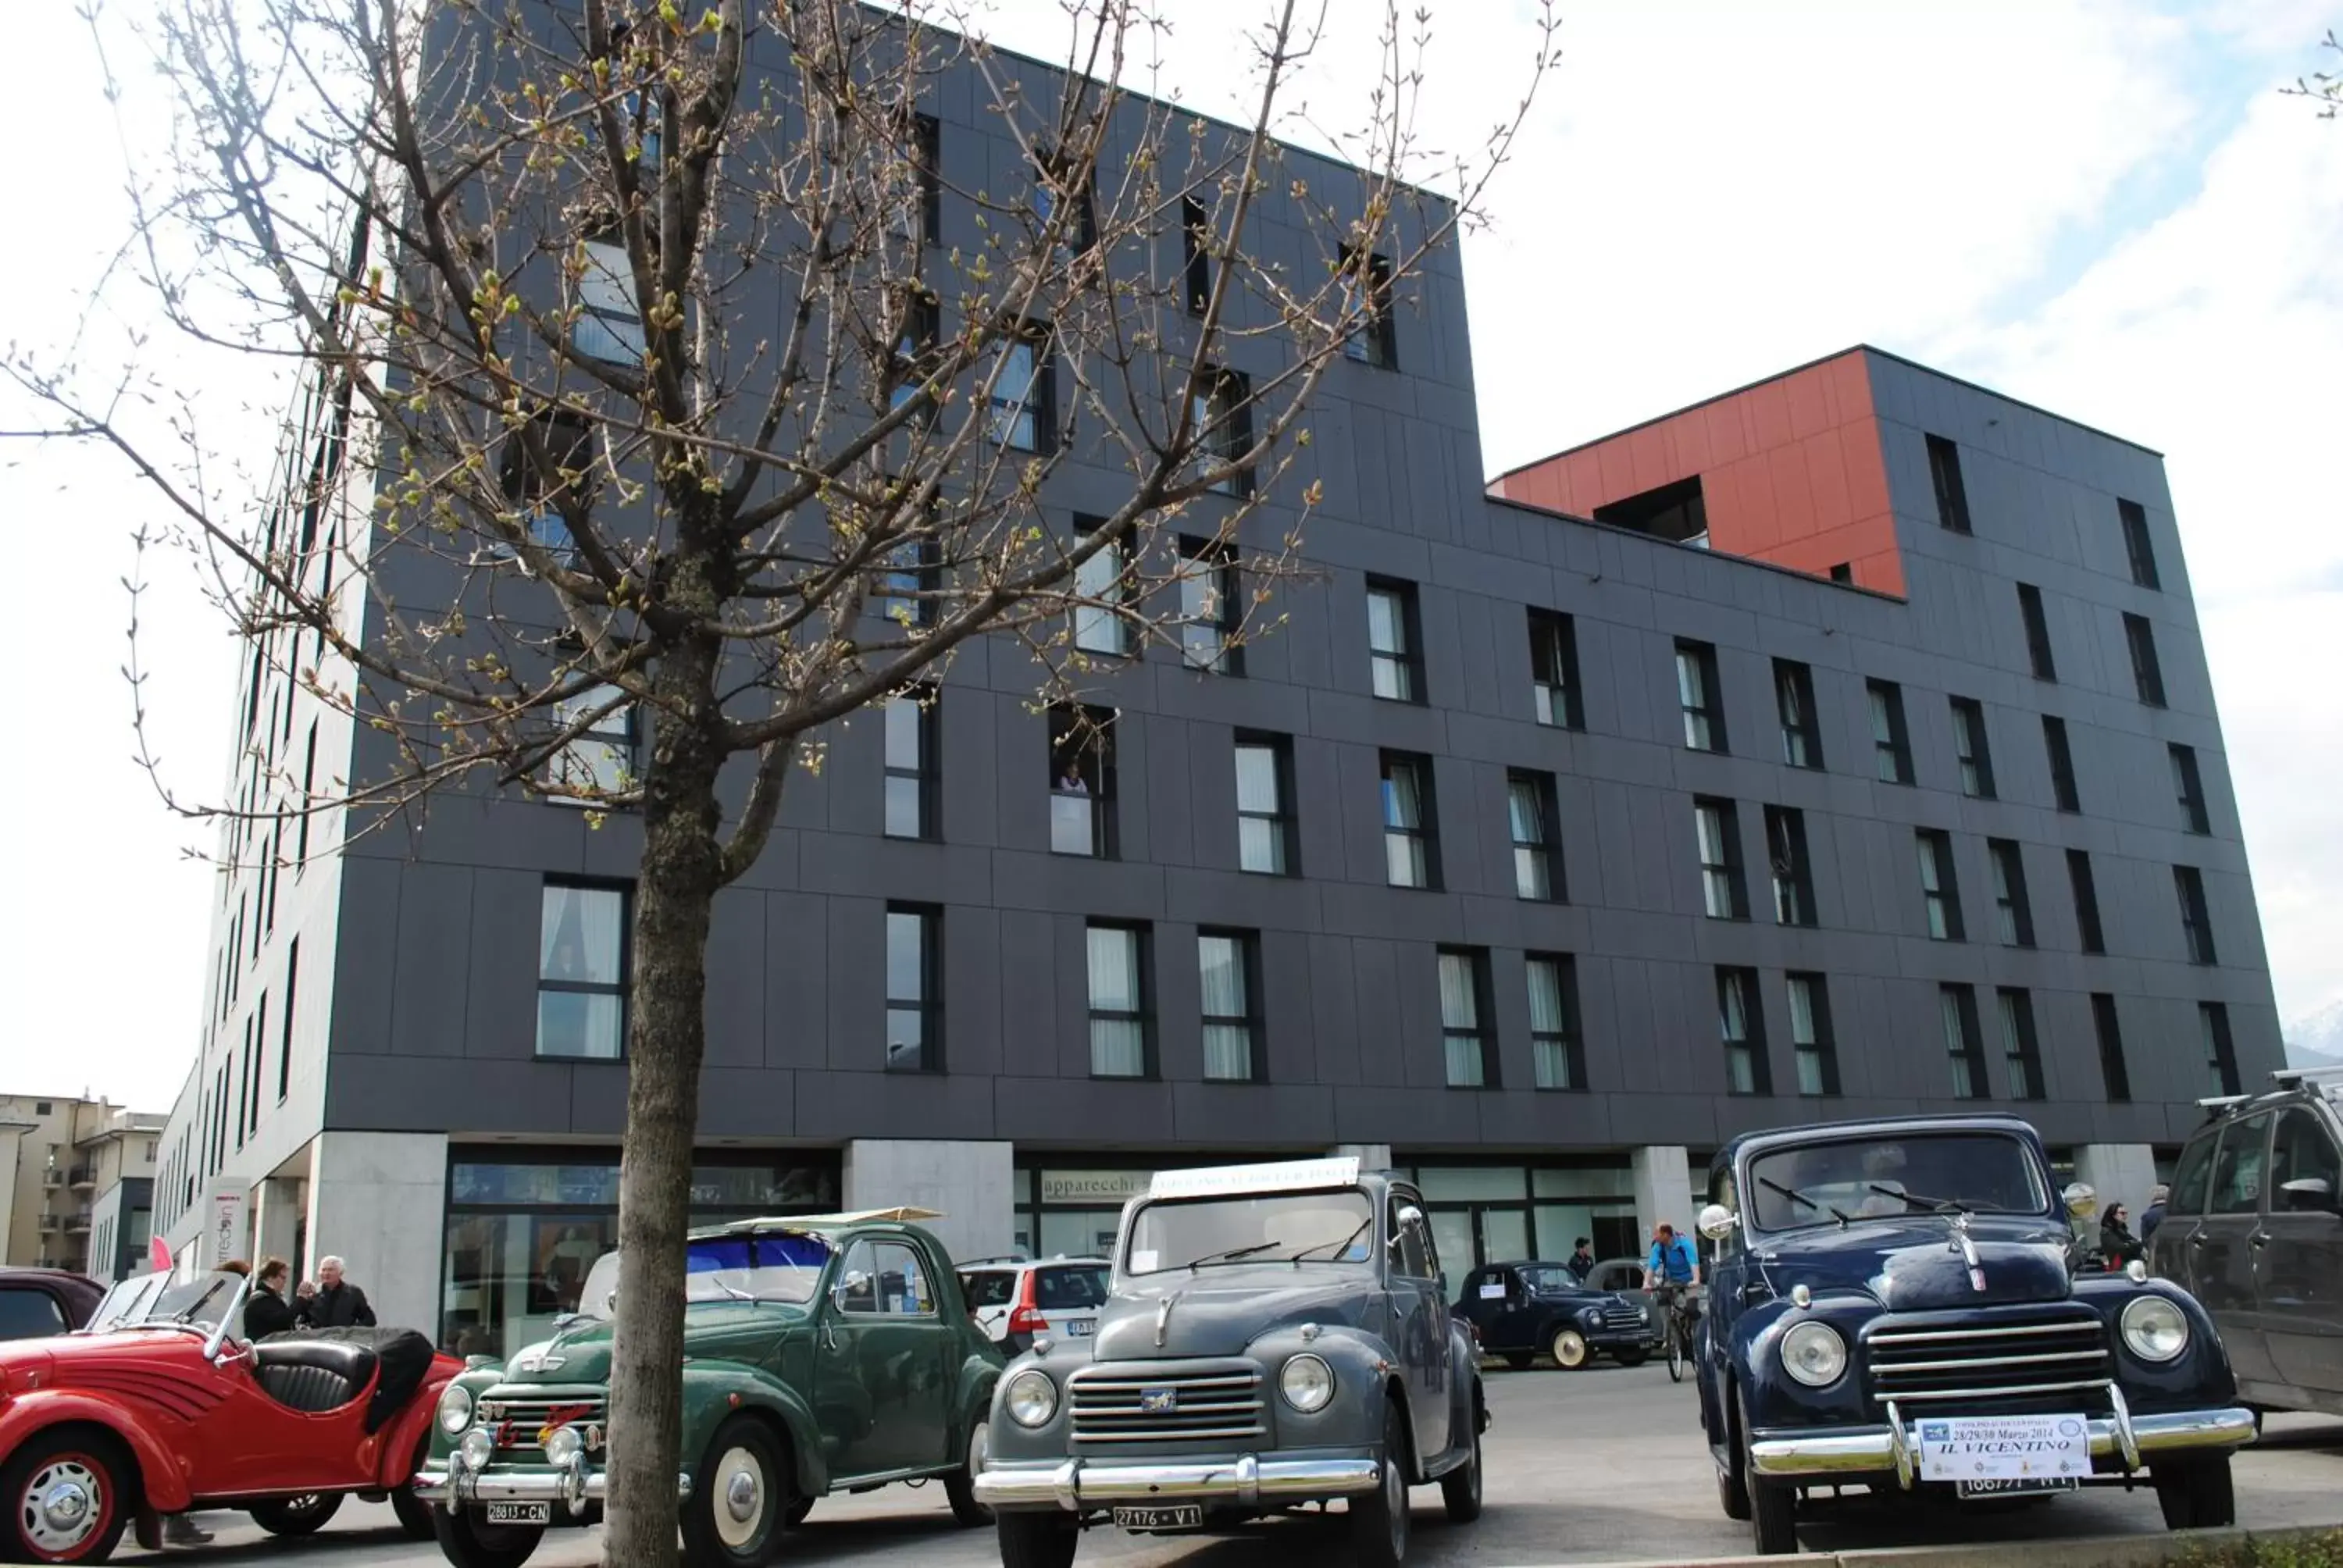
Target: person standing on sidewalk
point(333, 1303)
point(265, 1311)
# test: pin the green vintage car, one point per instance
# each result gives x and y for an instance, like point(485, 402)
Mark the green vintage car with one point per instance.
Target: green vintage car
point(823, 1354)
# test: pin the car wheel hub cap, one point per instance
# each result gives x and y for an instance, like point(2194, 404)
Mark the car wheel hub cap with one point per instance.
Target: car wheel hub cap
point(1395, 1500)
point(62, 1506)
point(741, 1482)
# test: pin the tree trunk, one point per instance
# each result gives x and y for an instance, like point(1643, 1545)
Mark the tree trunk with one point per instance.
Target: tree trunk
point(674, 896)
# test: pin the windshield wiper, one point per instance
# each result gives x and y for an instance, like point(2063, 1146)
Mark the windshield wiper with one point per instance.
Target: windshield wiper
point(1338, 1246)
point(1798, 1197)
point(1924, 1204)
point(1231, 1256)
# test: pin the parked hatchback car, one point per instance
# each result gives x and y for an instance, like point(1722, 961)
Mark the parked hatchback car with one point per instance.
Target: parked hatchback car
point(1014, 1300)
point(2254, 1230)
point(1518, 1310)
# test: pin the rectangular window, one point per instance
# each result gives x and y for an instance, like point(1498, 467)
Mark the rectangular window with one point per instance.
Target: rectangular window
point(2137, 548)
point(1723, 892)
point(2021, 1052)
point(2196, 923)
point(1221, 416)
point(1098, 592)
point(914, 990)
point(1082, 780)
point(2146, 674)
point(1697, 694)
point(284, 1046)
point(1022, 413)
point(1938, 885)
point(600, 757)
point(1794, 696)
point(2038, 632)
point(308, 798)
point(910, 582)
point(911, 757)
point(1963, 1048)
point(1553, 670)
point(245, 1073)
point(1463, 1009)
point(1557, 1054)
point(1891, 743)
point(1211, 613)
point(2086, 886)
point(1228, 964)
point(1119, 1003)
point(1951, 496)
point(2061, 764)
point(1376, 340)
point(911, 357)
point(1394, 642)
point(2105, 1024)
point(609, 327)
point(1971, 750)
point(1742, 1029)
point(2220, 1053)
point(1810, 1034)
point(926, 169)
point(1411, 838)
point(2188, 786)
point(581, 972)
point(2013, 910)
point(1195, 255)
point(1794, 880)
point(1055, 174)
point(1264, 785)
point(1535, 816)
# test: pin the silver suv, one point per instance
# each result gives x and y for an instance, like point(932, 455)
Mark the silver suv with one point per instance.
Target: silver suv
point(1014, 1300)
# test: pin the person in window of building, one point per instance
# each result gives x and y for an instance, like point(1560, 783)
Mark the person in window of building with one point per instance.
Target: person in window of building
point(2153, 1215)
point(1069, 778)
point(1582, 1261)
point(333, 1303)
point(265, 1311)
point(2116, 1243)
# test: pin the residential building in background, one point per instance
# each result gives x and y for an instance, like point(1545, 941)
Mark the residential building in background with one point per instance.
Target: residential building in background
point(1810, 753)
point(77, 1178)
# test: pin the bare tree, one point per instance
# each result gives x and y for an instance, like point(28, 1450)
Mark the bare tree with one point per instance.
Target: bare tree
point(636, 379)
point(2324, 88)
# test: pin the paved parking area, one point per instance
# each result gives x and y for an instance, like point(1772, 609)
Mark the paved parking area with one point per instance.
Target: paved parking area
point(1595, 1466)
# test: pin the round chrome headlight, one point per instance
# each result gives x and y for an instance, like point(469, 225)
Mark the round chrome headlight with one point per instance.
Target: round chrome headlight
point(479, 1446)
point(1307, 1384)
point(560, 1444)
point(455, 1409)
point(2155, 1330)
point(1813, 1354)
point(1032, 1398)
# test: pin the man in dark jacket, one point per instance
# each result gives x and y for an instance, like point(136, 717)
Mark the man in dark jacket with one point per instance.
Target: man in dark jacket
point(1582, 1261)
point(333, 1303)
point(265, 1311)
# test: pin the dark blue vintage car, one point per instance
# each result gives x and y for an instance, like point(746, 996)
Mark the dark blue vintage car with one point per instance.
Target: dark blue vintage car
point(1896, 1305)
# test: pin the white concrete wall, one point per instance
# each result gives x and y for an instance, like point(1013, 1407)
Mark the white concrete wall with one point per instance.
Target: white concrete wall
point(1663, 1187)
point(378, 1201)
point(2121, 1174)
point(972, 1183)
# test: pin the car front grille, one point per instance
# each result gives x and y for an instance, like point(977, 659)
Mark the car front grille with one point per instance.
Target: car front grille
point(1178, 1403)
point(517, 1418)
point(1622, 1315)
point(1997, 1365)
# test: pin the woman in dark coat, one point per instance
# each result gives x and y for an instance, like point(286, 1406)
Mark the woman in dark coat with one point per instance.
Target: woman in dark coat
point(265, 1311)
point(2116, 1243)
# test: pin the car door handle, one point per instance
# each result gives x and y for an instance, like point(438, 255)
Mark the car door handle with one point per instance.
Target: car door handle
point(2198, 1240)
point(828, 1335)
point(2258, 1240)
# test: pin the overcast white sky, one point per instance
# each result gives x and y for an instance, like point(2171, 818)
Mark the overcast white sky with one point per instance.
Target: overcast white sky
point(2100, 207)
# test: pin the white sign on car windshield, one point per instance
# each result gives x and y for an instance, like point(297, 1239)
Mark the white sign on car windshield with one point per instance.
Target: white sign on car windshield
point(1280, 1176)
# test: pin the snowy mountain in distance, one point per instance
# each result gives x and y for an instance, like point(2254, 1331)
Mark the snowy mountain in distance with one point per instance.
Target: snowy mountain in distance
point(2316, 1040)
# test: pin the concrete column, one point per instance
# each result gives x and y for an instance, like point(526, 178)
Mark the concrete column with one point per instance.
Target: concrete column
point(2121, 1174)
point(1370, 1156)
point(378, 1201)
point(973, 1184)
point(1663, 1187)
point(279, 1210)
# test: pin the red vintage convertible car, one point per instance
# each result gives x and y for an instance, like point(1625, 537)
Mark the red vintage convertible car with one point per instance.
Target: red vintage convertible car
point(158, 1405)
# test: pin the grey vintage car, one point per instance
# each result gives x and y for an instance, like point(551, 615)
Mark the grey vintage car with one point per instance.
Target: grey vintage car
point(1276, 1334)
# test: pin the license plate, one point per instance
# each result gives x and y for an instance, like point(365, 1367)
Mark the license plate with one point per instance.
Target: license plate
point(2008, 1451)
point(2026, 1488)
point(520, 1512)
point(1080, 1331)
point(1170, 1517)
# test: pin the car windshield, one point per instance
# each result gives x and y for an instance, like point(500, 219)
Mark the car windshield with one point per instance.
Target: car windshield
point(191, 1304)
point(1075, 1288)
point(129, 1301)
point(782, 1266)
point(1543, 1277)
point(1335, 1227)
point(1906, 1173)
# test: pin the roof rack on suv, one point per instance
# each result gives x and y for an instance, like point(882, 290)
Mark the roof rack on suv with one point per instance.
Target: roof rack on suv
point(2307, 1075)
point(2217, 1104)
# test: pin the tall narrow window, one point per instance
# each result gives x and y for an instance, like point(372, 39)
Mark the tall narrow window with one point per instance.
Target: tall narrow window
point(1082, 780)
point(1716, 828)
point(2021, 1052)
point(2087, 929)
point(1463, 1009)
point(1557, 1055)
point(2220, 1053)
point(2013, 910)
point(1376, 340)
point(284, 1046)
point(2146, 674)
point(926, 169)
point(2061, 764)
point(1553, 670)
point(2195, 921)
point(1743, 1030)
point(912, 755)
point(914, 990)
point(581, 972)
point(911, 356)
point(1937, 886)
point(609, 325)
point(1394, 642)
point(1196, 255)
point(909, 589)
point(1098, 589)
point(1264, 785)
point(1226, 963)
point(1118, 1001)
point(2188, 786)
point(1971, 750)
point(1410, 841)
point(1210, 611)
point(1022, 412)
point(308, 798)
point(2138, 548)
point(2038, 632)
point(1794, 878)
point(1696, 695)
point(1057, 175)
point(1810, 1034)
point(1891, 743)
point(544, 468)
point(1793, 698)
point(2109, 1030)
point(1952, 496)
point(1963, 1048)
point(1535, 816)
point(1222, 418)
point(599, 758)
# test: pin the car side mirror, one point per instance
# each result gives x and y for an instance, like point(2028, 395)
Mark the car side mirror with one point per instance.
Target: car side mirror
point(1717, 1221)
point(2309, 1195)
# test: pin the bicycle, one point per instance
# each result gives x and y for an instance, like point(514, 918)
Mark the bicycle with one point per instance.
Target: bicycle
point(1682, 1314)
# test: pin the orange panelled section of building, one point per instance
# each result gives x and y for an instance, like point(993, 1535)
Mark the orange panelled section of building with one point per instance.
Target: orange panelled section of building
point(1790, 471)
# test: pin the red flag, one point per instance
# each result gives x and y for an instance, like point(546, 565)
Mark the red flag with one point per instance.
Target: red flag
point(158, 1255)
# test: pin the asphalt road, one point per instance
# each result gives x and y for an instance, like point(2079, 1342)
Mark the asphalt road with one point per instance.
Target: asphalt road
point(1593, 1466)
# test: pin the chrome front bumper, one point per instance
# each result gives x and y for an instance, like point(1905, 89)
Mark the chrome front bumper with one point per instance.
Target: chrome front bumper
point(2128, 1439)
point(458, 1486)
point(1247, 1481)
